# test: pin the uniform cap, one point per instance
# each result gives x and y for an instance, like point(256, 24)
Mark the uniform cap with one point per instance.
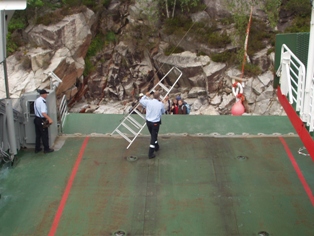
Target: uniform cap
point(43, 91)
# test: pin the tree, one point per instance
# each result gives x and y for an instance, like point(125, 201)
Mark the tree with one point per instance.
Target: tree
point(183, 5)
point(35, 4)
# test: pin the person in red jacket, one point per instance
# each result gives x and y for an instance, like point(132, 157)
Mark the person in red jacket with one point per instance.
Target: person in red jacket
point(174, 107)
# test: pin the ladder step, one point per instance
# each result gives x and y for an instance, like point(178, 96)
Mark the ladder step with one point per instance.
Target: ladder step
point(133, 122)
point(163, 86)
point(123, 135)
point(140, 114)
point(131, 130)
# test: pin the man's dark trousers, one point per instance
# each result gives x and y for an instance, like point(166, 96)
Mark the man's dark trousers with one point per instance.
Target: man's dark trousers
point(153, 128)
point(41, 134)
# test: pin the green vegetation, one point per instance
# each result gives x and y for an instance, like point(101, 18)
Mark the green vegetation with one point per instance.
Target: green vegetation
point(218, 40)
point(170, 8)
point(269, 51)
point(227, 20)
point(298, 7)
point(178, 25)
point(12, 46)
point(224, 57)
point(92, 4)
point(259, 37)
point(16, 23)
point(182, 24)
point(106, 3)
point(57, 15)
point(251, 70)
point(271, 8)
point(299, 24)
point(14, 41)
point(141, 38)
point(301, 9)
point(96, 46)
point(36, 3)
point(240, 13)
point(173, 49)
point(176, 21)
point(110, 37)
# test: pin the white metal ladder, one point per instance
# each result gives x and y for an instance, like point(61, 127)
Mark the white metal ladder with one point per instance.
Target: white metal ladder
point(135, 121)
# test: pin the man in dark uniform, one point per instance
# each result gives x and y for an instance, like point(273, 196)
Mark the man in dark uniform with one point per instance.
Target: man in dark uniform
point(154, 111)
point(41, 116)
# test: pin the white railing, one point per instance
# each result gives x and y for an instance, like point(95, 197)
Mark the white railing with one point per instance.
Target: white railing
point(63, 111)
point(292, 75)
point(311, 113)
point(309, 106)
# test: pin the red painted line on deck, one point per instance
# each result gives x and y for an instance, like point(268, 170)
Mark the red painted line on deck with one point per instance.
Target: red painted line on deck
point(297, 123)
point(67, 190)
point(298, 170)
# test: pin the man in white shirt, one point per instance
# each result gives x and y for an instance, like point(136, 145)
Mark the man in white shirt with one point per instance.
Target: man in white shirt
point(154, 111)
point(41, 116)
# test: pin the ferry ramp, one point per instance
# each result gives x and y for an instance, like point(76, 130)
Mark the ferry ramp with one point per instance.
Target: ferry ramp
point(213, 175)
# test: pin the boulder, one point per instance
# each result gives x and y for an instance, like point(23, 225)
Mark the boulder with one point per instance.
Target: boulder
point(189, 63)
point(262, 60)
point(197, 104)
point(144, 11)
point(216, 100)
point(196, 91)
point(213, 68)
point(201, 16)
point(208, 110)
point(221, 9)
point(227, 99)
point(40, 58)
point(268, 93)
point(60, 48)
point(275, 108)
point(73, 32)
point(257, 86)
point(216, 9)
point(266, 78)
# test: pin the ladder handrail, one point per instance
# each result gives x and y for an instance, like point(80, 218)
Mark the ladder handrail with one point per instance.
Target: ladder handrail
point(154, 88)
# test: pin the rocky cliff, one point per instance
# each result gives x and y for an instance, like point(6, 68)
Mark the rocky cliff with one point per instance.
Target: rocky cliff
point(135, 60)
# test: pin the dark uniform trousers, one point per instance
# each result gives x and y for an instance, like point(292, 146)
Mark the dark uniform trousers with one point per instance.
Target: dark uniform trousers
point(153, 128)
point(41, 133)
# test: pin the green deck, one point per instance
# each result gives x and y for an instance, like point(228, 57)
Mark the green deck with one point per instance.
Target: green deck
point(180, 124)
point(195, 186)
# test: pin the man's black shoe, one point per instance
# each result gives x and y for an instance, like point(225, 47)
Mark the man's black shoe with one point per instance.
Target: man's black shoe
point(38, 150)
point(151, 157)
point(48, 151)
point(156, 148)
